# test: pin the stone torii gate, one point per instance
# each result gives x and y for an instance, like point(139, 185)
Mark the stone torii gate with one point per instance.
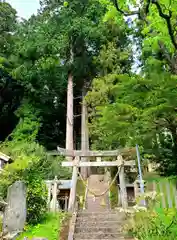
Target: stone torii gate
point(76, 163)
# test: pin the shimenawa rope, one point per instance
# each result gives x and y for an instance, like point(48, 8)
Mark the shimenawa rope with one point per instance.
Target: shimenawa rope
point(99, 195)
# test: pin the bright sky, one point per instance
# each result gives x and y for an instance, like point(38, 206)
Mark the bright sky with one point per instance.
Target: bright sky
point(25, 8)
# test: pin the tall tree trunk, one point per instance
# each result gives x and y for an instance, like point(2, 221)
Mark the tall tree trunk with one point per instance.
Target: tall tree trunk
point(84, 134)
point(69, 115)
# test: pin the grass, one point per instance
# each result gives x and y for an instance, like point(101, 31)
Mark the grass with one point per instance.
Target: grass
point(48, 228)
point(114, 196)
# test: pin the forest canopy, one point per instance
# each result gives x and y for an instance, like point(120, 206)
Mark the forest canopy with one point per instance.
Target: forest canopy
point(123, 54)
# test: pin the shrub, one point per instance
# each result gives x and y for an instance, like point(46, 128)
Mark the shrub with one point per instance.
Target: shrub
point(36, 201)
point(158, 224)
point(31, 163)
point(154, 223)
point(32, 166)
point(24, 168)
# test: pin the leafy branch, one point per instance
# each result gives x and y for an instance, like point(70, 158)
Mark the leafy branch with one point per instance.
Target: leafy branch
point(166, 17)
point(123, 12)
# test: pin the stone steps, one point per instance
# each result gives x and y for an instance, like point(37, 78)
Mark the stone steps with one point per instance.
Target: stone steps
point(98, 222)
point(103, 218)
point(98, 229)
point(99, 225)
point(103, 214)
point(88, 212)
point(98, 217)
point(98, 235)
point(91, 223)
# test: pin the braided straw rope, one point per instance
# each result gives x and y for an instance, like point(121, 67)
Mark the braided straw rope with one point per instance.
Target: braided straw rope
point(103, 193)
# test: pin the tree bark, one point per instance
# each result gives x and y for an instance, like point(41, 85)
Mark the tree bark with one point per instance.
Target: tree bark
point(171, 59)
point(84, 134)
point(69, 115)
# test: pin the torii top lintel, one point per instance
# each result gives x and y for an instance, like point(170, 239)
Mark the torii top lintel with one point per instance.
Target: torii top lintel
point(80, 153)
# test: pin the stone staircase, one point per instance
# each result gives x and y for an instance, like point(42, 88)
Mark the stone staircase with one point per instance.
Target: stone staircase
point(99, 225)
point(98, 221)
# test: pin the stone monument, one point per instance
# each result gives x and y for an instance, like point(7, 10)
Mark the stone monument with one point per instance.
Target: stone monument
point(15, 212)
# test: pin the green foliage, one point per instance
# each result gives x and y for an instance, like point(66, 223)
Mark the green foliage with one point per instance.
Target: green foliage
point(25, 168)
point(36, 200)
point(155, 222)
point(155, 225)
point(157, 25)
point(28, 125)
point(41, 57)
point(125, 110)
point(31, 164)
point(7, 25)
point(49, 227)
point(95, 43)
point(152, 18)
point(33, 168)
